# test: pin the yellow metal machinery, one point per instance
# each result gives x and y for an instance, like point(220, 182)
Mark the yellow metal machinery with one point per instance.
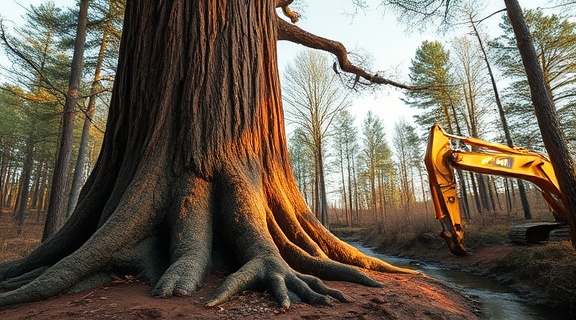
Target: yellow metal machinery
point(444, 155)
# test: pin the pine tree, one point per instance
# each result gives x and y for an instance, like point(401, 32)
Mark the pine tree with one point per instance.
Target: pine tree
point(554, 38)
point(431, 68)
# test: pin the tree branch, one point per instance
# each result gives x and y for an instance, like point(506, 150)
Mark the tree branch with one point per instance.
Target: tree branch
point(490, 15)
point(294, 16)
point(292, 33)
point(33, 65)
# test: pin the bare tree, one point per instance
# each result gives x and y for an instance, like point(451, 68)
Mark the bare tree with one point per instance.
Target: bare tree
point(469, 70)
point(314, 97)
point(473, 21)
point(402, 145)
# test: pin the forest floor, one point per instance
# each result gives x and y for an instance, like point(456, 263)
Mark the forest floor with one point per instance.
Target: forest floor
point(400, 297)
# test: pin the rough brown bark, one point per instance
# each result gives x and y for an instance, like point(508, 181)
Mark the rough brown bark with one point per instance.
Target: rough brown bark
point(194, 166)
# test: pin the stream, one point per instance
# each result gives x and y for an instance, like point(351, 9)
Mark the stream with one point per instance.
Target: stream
point(497, 301)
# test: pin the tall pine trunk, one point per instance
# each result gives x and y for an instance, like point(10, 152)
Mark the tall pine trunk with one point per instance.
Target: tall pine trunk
point(552, 134)
point(503, 121)
point(24, 189)
point(56, 214)
point(83, 148)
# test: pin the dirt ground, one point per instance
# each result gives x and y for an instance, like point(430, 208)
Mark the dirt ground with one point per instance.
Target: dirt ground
point(400, 297)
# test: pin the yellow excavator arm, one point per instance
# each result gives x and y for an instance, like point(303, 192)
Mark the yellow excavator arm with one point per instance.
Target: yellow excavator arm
point(442, 159)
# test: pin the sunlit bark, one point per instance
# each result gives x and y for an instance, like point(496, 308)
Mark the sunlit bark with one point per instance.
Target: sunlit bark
point(194, 161)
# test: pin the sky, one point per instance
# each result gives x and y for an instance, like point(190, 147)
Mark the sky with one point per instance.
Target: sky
point(387, 40)
point(389, 46)
point(372, 31)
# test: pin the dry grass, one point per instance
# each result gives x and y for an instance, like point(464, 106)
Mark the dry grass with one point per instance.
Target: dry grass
point(550, 267)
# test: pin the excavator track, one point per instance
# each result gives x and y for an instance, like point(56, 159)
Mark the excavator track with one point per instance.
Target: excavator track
point(536, 232)
point(560, 234)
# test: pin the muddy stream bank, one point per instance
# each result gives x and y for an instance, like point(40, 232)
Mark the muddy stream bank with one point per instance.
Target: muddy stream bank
point(497, 301)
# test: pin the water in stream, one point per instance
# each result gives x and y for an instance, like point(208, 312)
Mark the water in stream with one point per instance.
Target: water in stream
point(498, 302)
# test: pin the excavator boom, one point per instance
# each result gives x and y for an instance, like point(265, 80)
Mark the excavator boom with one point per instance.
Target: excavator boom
point(442, 159)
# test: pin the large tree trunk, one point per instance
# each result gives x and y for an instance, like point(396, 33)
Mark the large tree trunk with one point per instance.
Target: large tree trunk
point(552, 134)
point(194, 160)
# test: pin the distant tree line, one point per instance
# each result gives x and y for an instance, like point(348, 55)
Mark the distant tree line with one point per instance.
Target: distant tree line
point(33, 98)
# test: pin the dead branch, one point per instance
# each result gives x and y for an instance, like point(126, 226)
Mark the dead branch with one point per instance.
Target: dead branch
point(292, 33)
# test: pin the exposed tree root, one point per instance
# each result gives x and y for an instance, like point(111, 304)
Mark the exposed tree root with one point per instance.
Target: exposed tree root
point(272, 237)
point(17, 282)
point(190, 224)
point(163, 212)
point(72, 235)
point(131, 222)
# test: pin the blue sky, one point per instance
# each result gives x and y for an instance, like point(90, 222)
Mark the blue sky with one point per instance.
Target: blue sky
point(379, 34)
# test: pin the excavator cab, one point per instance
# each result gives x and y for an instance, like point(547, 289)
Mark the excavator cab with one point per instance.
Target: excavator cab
point(442, 159)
